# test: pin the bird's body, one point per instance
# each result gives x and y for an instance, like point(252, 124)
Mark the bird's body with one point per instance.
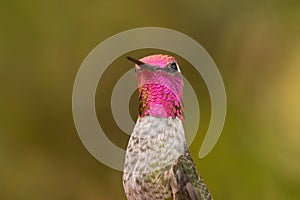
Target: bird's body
point(158, 165)
point(154, 144)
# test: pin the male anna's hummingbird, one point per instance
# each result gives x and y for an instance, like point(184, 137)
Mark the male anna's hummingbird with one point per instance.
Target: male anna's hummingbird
point(158, 164)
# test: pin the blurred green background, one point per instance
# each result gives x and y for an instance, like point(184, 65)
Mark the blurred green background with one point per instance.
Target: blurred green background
point(255, 44)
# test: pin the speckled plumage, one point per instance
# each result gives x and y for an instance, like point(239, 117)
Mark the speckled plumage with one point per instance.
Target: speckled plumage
point(158, 165)
point(154, 144)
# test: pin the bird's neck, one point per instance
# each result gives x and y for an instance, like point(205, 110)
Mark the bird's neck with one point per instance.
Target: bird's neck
point(159, 101)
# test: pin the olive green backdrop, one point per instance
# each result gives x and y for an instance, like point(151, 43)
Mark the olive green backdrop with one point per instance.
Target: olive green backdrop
point(255, 45)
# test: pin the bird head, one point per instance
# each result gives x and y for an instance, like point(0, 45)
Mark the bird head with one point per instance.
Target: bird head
point(160, 85)
point(161, 70)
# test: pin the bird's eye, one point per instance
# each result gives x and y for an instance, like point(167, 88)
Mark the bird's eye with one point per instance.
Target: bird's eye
point(174, 66)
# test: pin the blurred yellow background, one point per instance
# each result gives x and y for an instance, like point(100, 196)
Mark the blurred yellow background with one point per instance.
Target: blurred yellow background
point(255, 44)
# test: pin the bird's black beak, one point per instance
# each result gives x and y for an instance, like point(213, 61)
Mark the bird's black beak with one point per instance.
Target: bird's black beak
point(136, 61)
point(140, 66)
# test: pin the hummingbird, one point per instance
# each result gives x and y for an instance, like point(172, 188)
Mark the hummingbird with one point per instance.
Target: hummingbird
point(158, 164)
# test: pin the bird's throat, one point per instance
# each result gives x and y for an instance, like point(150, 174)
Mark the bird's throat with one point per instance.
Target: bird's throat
point(159, 101)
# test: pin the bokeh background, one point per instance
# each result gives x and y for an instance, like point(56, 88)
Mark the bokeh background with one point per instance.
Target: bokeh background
point(255, 44)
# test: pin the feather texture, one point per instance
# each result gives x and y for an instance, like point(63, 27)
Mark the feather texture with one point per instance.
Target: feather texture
point(158, 165)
